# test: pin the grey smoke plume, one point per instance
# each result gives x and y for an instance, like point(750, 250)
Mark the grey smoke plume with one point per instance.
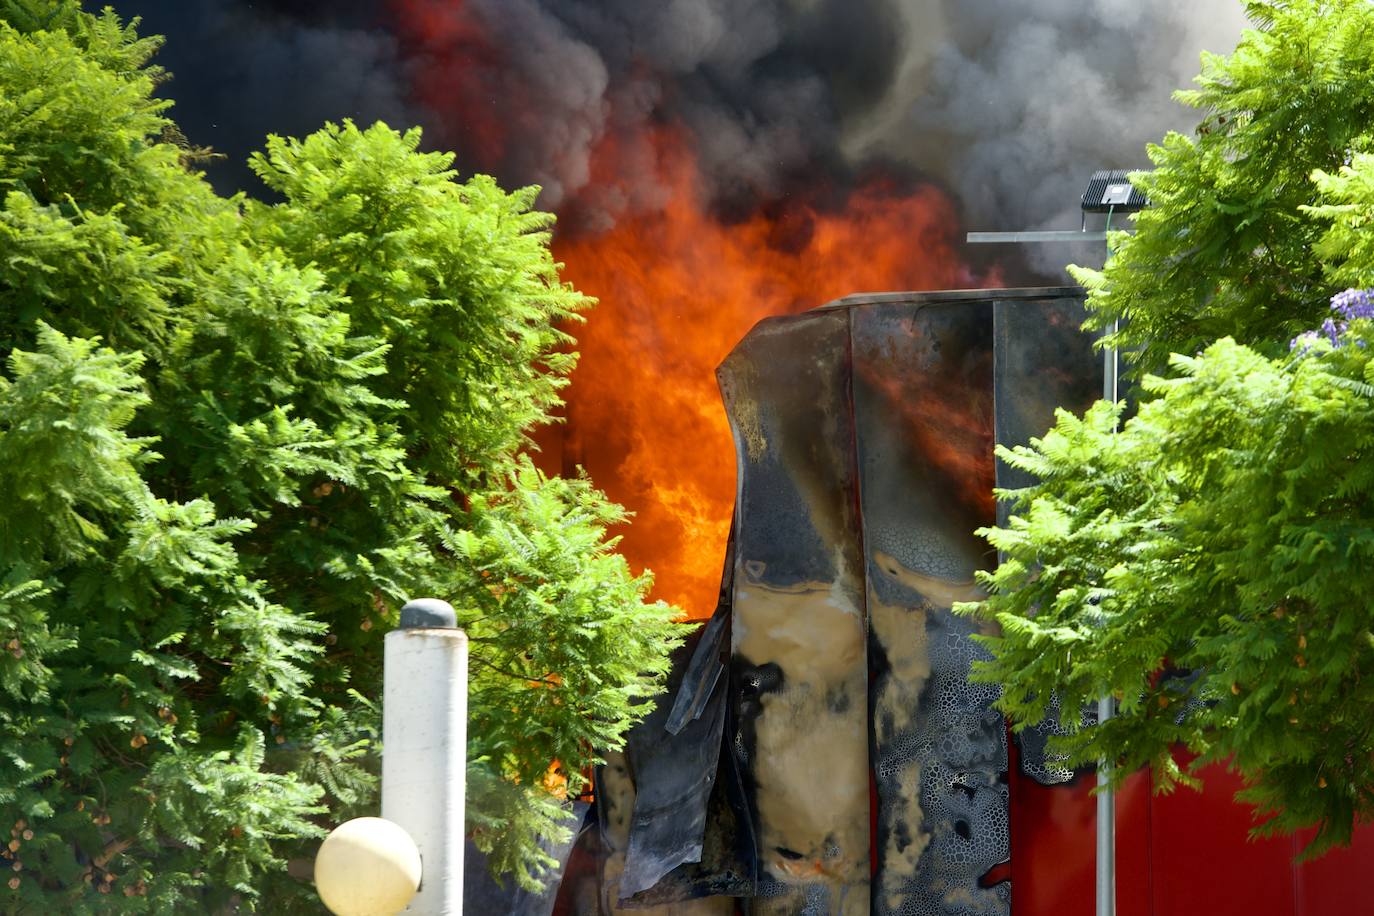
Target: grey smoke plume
point(757, 85)
point(1014, 104)
point(1009, 104)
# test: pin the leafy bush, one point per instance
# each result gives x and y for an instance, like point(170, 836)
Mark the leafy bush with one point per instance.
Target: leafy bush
point(234, 438)
point(1206, 564)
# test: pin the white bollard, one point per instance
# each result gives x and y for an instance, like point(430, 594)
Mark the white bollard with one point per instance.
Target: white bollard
point(424, 747)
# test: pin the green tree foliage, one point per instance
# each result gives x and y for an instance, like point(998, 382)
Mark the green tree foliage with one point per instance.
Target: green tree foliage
point(234, 438)
point(1225, 248)
point(1206, 564)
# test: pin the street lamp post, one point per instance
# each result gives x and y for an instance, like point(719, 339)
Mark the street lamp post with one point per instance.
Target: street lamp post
point(1108, 192)
point(424, 746)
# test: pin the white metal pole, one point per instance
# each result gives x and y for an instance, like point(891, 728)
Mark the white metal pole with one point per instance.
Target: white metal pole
point(1106, 799)
point(1106, 830)
point(424, 747)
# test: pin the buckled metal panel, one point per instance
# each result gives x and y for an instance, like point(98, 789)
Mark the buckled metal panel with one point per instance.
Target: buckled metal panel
point(864, 434)
point(798, 639)
point(674, 773)
point(1043, 361)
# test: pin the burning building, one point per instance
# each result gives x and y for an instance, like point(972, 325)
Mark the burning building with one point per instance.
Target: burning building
point(824, 750)
point(867, 772)
point(821, 748)
point(716, 164)
point(712, 162)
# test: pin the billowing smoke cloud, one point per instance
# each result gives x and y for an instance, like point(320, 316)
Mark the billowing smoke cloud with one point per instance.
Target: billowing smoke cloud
point(1016, 103)
point(242, 70)
point(756, 85)
point(713, 162)
point(1008, 104)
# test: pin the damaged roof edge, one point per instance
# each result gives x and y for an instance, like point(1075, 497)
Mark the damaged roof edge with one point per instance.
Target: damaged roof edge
point(935, 297)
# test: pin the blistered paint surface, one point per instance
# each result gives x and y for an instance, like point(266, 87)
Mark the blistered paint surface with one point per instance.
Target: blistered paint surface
point(864, 440)
point(870, 772)
point(923, 414)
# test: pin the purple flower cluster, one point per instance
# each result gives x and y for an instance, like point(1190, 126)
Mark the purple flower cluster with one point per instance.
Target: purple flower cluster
point(1347, 306)
point(1354, 303)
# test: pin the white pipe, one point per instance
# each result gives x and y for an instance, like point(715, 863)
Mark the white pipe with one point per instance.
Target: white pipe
point(424, 747)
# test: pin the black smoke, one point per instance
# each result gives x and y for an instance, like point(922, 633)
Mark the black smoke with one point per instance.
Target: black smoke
point(242, 70)
point(1009, 104)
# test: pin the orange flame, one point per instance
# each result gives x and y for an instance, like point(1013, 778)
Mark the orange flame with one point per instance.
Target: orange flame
point(678, 288)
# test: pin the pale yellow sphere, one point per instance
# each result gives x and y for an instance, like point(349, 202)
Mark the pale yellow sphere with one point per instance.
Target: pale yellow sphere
point(368, 866)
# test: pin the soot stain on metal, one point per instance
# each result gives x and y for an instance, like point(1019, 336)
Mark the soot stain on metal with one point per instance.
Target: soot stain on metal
point(922, 375)
point(798, 605)
point(864, 436)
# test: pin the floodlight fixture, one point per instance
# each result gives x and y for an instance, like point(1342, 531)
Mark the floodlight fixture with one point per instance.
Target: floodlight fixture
point(1111, 191)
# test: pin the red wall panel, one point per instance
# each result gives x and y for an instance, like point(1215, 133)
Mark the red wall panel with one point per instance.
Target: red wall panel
point(1182, 854)
point(1340, 882)
point(1204, 863)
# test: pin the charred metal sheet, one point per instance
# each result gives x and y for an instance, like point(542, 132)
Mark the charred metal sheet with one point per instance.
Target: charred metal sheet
point(686, 840)
point(708, 659)
point(726, 865)
point(864, 434)
point(583, 891)
point(703, 673)
point(798, 635)
point(1036, 760)
point(1042, 361)
point(924, 420)
point(674, 773)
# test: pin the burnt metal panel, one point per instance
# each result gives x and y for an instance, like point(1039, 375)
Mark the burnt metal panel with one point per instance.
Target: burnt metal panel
point(675, 771)
point(864, 434)
point(662, 819)
point(1042, 361)
point(798, 660)
point(924, 423)
point(693, 816)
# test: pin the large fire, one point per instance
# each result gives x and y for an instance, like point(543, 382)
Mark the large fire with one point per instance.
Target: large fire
point(678, 286)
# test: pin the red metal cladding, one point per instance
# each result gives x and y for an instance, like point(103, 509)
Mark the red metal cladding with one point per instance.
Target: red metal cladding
point(1052, 845)
point(1203, 862)
point(1182, 854)
point(1338, 882)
